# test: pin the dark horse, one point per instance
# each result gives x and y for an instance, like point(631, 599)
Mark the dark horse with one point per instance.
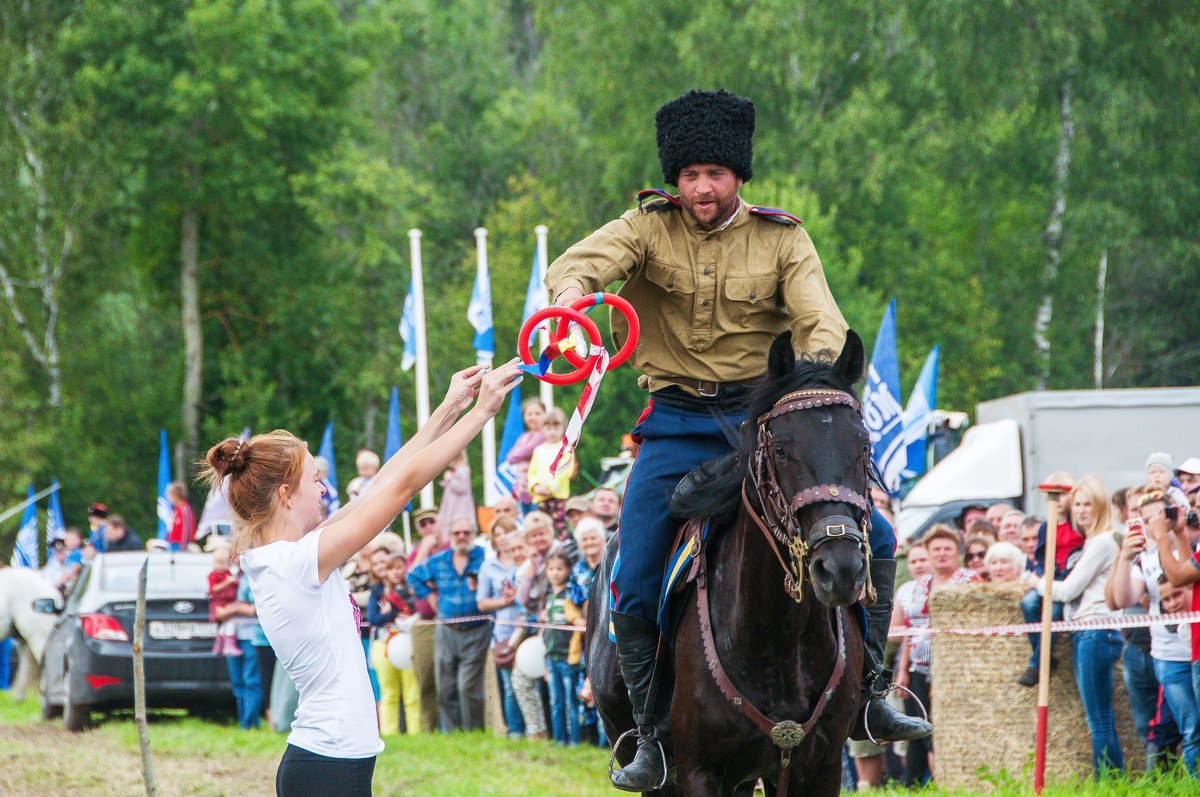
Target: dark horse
point(783, 635)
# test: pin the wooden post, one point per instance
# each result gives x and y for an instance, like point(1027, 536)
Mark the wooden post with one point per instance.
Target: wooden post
point(1052, 492)
point(139, 682)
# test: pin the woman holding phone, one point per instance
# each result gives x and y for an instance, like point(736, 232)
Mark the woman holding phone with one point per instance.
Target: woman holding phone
point(292, 559)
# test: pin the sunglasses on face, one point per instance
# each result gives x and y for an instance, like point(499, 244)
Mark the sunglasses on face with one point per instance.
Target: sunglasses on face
point(975, 555)
point(426, 521)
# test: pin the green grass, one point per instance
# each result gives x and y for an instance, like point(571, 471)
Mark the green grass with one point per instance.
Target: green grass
point(208, 759)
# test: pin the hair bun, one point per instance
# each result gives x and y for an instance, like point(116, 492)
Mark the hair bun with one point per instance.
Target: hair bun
point(229, 456)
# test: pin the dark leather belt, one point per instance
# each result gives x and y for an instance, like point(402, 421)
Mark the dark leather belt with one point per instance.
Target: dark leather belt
point(466, 626)
point(710, 389)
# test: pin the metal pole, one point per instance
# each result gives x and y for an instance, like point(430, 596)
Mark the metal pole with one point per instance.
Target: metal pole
point(139, 682)
point(1098, 364)
point(418, 279)
point(489, 428)
point(33, 500)
point(1052, 492)
point(547, 392)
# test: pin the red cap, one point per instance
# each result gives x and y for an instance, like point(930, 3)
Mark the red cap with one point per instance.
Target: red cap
point(98, 509)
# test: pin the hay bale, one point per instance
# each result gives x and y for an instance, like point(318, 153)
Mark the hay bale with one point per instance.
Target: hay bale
point(983, 719)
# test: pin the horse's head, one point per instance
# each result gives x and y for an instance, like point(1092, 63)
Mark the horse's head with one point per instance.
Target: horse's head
point(809, 468)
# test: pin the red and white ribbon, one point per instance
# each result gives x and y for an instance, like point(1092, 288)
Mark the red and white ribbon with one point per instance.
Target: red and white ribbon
point(566, 451)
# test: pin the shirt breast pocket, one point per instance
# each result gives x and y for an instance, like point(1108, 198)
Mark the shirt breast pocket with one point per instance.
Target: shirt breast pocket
point(749, 296)
point(672, 279)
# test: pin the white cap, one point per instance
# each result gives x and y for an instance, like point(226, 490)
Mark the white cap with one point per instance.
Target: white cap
point(1190, 465)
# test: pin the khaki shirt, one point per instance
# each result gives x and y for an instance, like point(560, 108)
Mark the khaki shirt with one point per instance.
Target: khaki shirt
point(709, 301)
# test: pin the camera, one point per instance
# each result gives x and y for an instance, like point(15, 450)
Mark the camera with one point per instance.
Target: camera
point(1192, 519)
point(1172, 513)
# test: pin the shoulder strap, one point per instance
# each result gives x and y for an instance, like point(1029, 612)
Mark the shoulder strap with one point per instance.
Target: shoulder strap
point(774, 214)
point(656, 197)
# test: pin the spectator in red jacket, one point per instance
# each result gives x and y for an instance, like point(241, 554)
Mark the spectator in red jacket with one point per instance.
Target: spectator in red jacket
point(183, 519)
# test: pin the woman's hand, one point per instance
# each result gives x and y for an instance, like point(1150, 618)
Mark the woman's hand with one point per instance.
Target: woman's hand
point(496, 385)
point(464, 387)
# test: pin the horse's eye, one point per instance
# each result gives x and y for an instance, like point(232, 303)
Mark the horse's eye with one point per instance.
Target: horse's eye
point(780, 451)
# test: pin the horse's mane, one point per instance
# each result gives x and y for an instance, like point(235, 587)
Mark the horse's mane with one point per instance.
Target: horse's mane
point(717, 494)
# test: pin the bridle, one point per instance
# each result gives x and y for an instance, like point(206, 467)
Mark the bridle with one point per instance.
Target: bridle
point(780, 524)
point(779, 520)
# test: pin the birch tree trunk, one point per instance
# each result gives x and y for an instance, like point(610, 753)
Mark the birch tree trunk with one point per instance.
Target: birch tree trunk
point(1053, 236)
point(193, 339)
point(48, 261)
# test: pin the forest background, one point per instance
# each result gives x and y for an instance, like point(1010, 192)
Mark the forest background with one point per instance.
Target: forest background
point(204, 204)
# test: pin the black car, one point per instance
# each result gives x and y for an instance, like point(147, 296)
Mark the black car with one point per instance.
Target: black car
point(88, 662)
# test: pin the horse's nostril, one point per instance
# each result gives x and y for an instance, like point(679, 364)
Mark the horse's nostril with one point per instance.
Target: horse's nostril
point(821, 571)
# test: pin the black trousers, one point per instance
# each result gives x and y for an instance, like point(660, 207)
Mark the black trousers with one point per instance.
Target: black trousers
point(916, 762)
point(305, 774)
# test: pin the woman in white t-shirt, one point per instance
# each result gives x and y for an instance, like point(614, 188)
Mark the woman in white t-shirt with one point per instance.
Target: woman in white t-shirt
point(292, 559)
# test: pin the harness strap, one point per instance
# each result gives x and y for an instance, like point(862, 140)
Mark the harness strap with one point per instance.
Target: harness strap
point(830, 493)
point(807, 400)
point(763, 528)
point(785, 734)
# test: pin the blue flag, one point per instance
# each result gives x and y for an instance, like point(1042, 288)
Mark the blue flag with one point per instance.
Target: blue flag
point(55, 528)
point(918, 414)
point(408, 329)
point(395, 437)
point(25, 552)
point(394, 440)
point(164, 481)
point(514, 425)
point(331, 500)
point(881, 403)
point(536, 297)
point(479, 313)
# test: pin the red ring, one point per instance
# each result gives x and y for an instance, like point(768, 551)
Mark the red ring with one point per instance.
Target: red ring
point(568, 314)
point(618, 303)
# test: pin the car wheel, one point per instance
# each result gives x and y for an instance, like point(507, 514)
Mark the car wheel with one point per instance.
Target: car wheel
point(75, 717)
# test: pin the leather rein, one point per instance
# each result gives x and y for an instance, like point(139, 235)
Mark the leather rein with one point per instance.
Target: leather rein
point(779, 523)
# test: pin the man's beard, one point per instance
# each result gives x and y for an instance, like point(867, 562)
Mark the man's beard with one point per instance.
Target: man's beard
point(718, 212)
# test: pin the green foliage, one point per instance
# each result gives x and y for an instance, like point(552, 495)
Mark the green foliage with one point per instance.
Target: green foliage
point(917, 139)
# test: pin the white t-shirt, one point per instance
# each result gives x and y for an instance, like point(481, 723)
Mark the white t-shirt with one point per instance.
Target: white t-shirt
point(1164, 645)
point(314, 632)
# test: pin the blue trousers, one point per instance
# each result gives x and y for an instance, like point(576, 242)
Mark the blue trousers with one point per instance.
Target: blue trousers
point(1175, 677)
point(6, 645)
point(564, 701)
point(247, 690)
point(1031, 607)
point(508, 698)
point(1096, 654)
point(674, 442)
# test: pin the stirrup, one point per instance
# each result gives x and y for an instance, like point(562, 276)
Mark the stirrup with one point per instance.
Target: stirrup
point(612, 759)
point(883, 696)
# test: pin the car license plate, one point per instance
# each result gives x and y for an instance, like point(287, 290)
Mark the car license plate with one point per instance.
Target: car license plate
point(182, 630)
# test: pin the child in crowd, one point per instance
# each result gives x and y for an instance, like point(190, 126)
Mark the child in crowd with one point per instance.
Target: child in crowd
point(550, 492)
point(534, 413)
point(222, 591)
point(563, 651)
point(1160, 474)
point(389, 610)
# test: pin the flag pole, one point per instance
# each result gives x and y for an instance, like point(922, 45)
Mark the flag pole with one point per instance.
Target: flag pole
point(418, 279)
point(489, 428)
point(1052, 492)
point(541, 231)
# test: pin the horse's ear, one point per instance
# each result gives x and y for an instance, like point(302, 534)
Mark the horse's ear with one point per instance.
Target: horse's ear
point(782, 360)
point(853, 357)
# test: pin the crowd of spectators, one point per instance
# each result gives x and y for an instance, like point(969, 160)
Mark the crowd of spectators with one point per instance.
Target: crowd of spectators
point(1132, 551)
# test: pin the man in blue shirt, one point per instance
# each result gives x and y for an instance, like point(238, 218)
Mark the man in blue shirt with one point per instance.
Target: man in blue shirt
point(449, 580)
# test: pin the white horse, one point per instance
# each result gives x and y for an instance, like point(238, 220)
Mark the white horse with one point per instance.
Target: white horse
point(19, 588)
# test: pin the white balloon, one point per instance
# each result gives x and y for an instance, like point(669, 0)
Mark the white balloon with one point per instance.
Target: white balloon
point(531, 658)
point(400, 650)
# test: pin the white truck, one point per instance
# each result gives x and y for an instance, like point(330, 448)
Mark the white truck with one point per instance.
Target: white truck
point(1019, 440)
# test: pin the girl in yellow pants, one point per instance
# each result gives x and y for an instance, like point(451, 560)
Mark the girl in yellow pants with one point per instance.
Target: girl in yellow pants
point(391, 600)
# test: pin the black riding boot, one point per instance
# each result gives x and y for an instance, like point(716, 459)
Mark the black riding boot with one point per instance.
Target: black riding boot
point(884, 722)
point(637, 649)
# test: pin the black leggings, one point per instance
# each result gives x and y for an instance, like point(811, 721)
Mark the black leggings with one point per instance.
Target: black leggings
point(305, 774)
point(266, 671)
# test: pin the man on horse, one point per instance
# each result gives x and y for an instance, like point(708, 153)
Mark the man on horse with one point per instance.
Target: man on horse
point(714, 280)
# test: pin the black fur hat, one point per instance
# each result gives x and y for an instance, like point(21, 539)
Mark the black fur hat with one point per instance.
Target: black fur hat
point(706, 127)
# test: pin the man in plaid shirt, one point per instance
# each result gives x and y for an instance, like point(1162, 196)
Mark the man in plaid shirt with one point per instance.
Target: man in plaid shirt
point(448, 580)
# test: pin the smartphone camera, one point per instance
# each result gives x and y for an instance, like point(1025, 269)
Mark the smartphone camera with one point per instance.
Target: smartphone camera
point(1172, 513)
